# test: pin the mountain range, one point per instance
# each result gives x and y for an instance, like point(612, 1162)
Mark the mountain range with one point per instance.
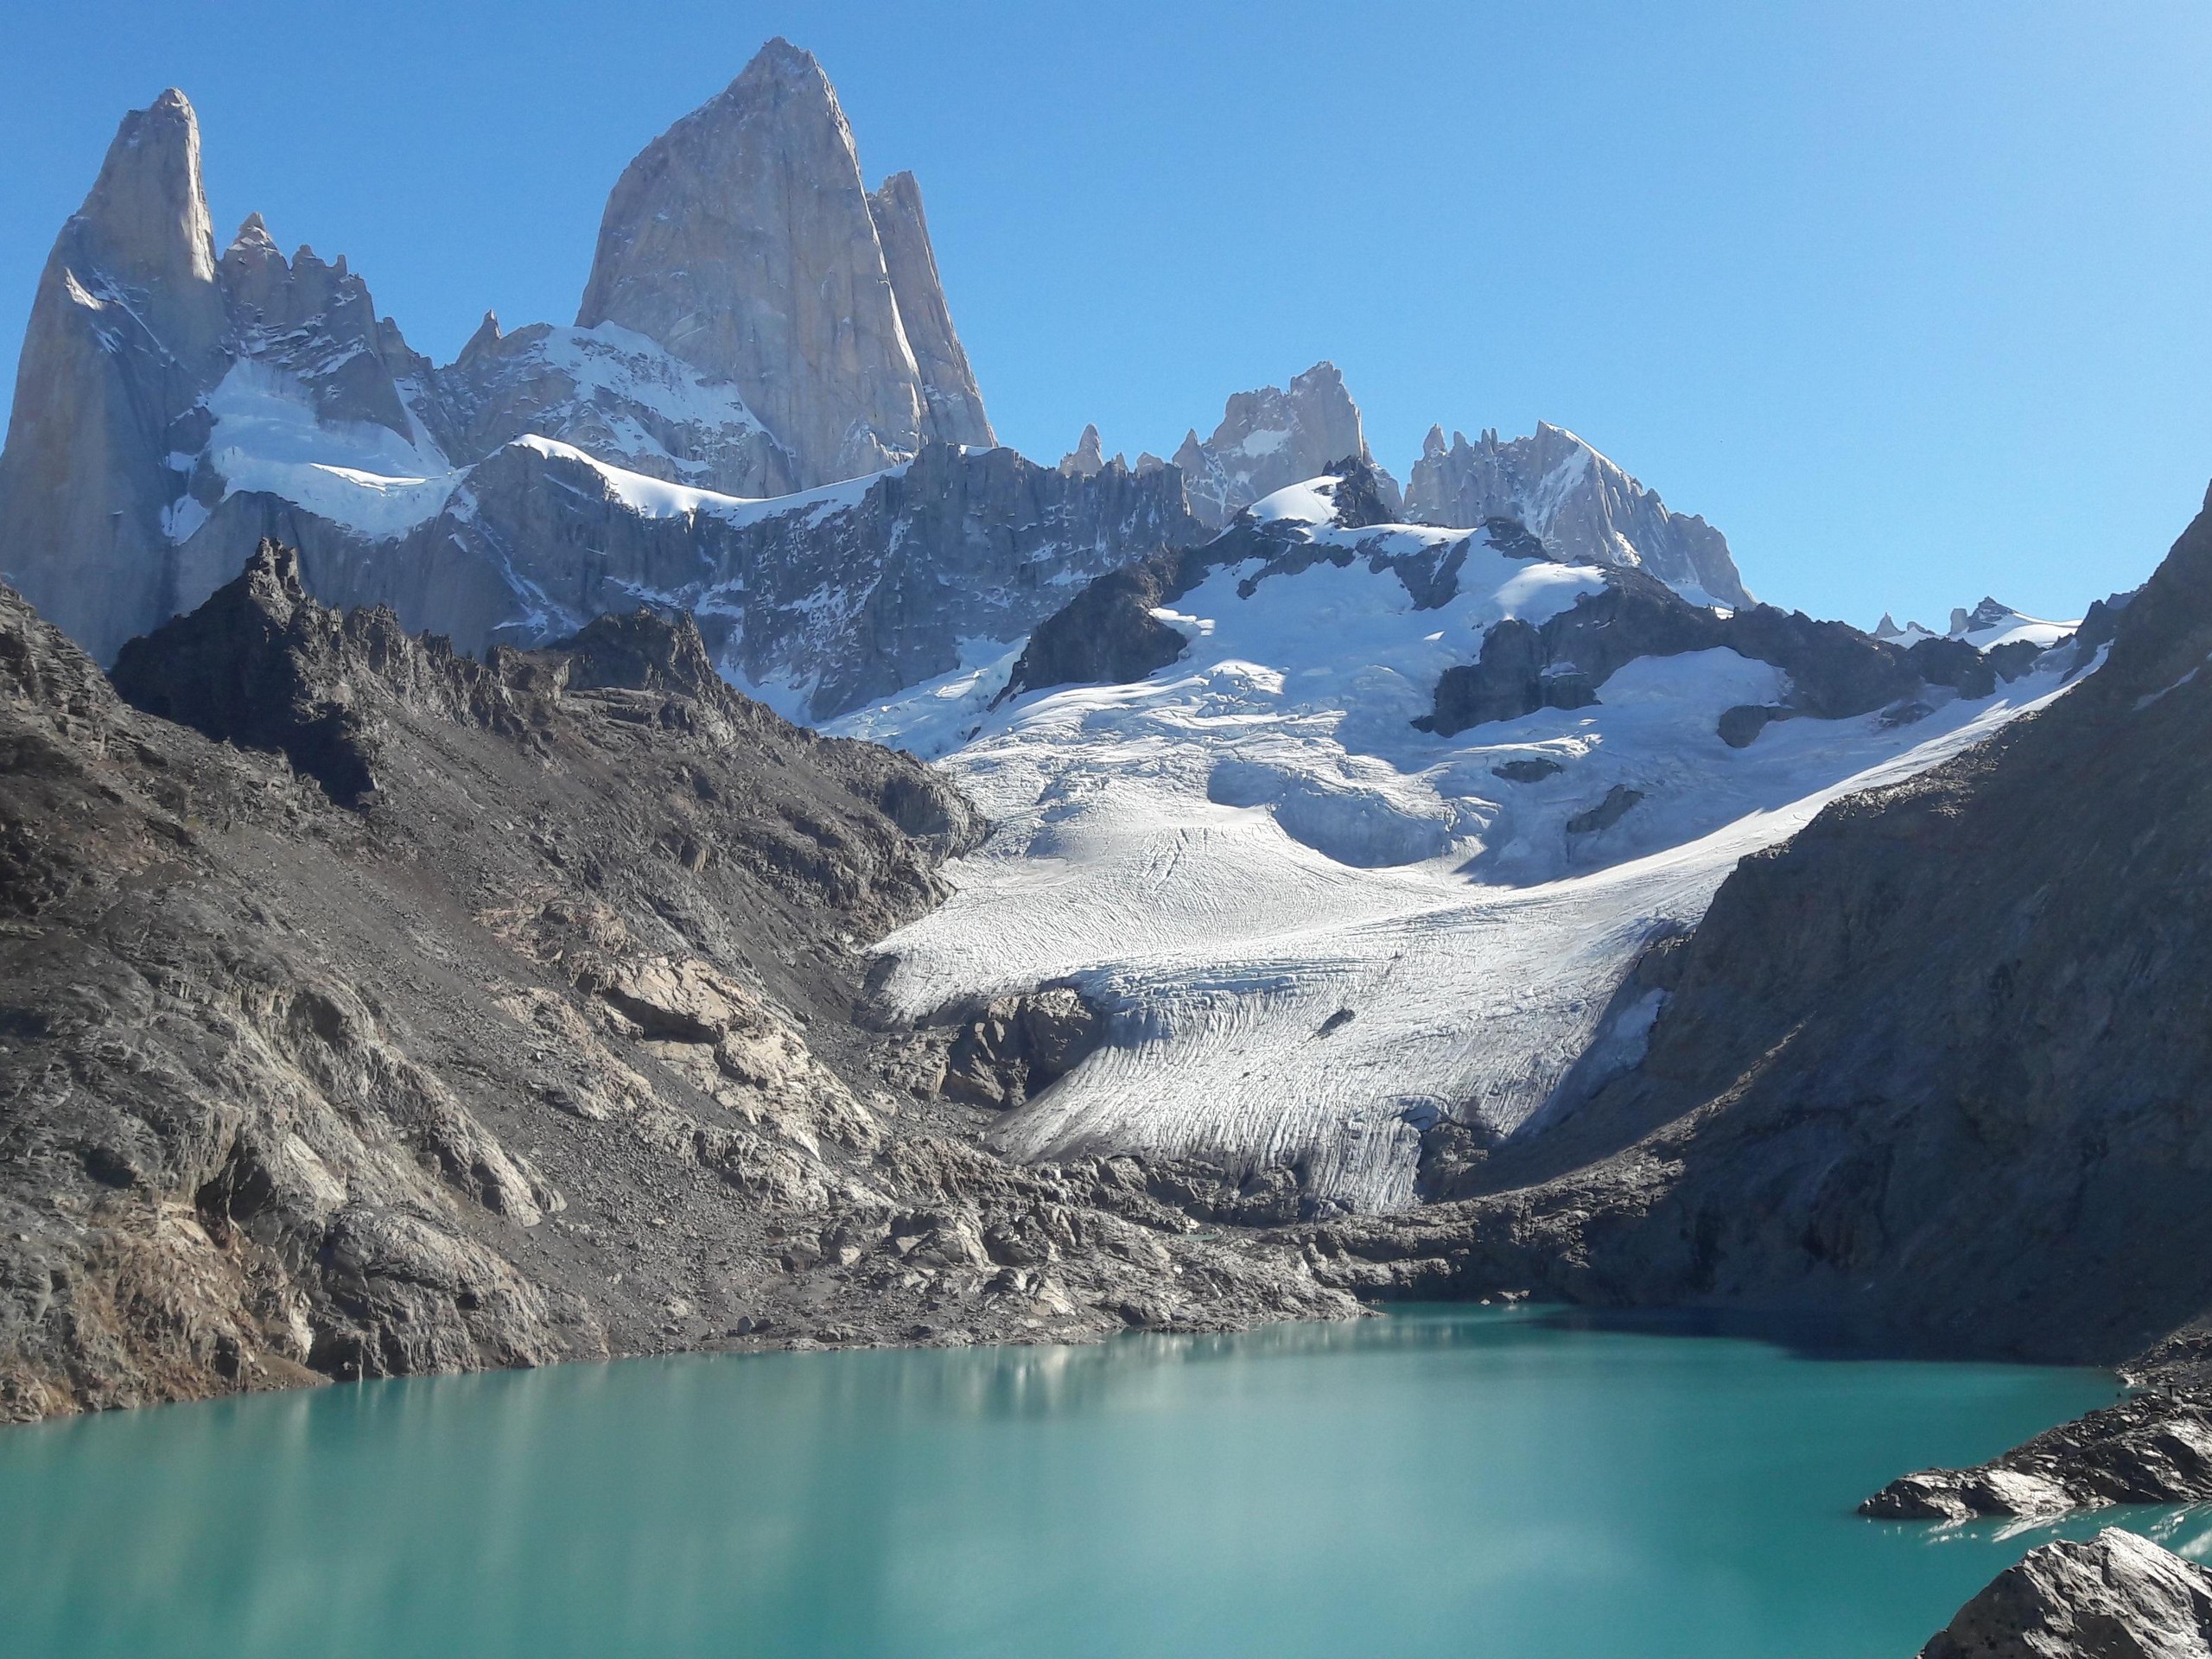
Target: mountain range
point(669, 802)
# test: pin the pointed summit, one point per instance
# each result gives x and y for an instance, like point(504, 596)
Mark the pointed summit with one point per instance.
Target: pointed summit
point(253, 234)
point(955, 403)
point(486, 337)
point(1271, 437)
point(127, 331)
point(744, 241)
point(1087, 459)
point(144, 226)
point(145, 221)
point(1578, 503)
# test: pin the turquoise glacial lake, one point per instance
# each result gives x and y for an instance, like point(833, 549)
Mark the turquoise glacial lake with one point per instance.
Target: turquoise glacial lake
point(1463, 1482)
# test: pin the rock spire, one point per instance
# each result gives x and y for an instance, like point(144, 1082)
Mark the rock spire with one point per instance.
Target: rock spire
point(744, 241)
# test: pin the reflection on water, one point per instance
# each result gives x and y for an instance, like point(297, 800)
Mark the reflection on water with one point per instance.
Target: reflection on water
point(1434, 1482)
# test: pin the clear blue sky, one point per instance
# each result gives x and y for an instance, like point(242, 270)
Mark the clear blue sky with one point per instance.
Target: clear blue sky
point(1909, 299)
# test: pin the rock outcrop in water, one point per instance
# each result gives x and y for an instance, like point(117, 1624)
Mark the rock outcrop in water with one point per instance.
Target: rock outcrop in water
point(2154, 1448)
point(448, 1013)
point(2115, 1596)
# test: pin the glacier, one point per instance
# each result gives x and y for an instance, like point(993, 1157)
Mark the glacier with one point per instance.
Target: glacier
point(1316, 931)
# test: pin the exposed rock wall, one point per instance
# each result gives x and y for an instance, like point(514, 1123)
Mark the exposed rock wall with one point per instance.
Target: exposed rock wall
point(1585, 508)
point(784, 328)
point(952, 402)
point(1934, 1069)
point(1834, 670)
point(743, 240)
point(126, 333)
point(824, 602)
point(1271, 438)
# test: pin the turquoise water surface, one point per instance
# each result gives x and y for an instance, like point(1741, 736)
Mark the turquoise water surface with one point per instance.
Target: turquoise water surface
point(1463, 1482)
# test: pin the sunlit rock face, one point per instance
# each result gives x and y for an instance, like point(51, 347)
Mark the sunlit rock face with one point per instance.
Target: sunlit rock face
point(757, 323)
point(127, 331)
point(744, 240)
point(1272, 438)
point(1583, 506)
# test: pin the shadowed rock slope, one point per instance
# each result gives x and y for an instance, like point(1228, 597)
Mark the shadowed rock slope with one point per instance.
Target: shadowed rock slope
point(1935, 1069)
point(449, 1015)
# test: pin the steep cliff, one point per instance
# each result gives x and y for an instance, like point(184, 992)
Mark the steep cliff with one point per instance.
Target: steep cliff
point(757, 323)
point(1273, 437)
point(820, 600)
point(744, 241)
point(127, 333)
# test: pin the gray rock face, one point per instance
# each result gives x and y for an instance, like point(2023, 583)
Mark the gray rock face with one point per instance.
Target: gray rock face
point(2155, 1448)
point(1271, 438)
point(822, 602)
point(1086, 458)
point(744, 241)
point(173, 408)
point(612, 394)
point(1108, 634)
point(126, 333)
point(952, 403)
point(1834, 670)
point(1587, 510)
point(452, 1014)
point(2115, 1596)
point(314, 324)
point(1019, 1045)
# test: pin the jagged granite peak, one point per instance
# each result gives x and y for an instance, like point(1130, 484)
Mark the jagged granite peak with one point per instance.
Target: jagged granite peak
point(1087, 458)
point(953, 411)
point(1584, 507)
point(488, 334)
point(743, 240)
point(310, 327)
point(126, 333)
point(253, 235)
point(145, 224)
point(1271, 438)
